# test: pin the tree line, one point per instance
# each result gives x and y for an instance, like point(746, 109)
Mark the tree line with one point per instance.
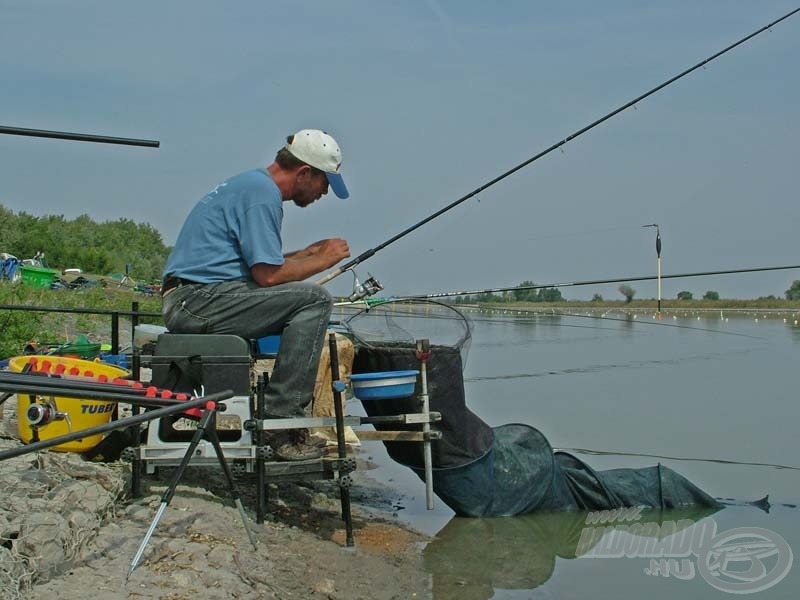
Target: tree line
point(82, 243)
point(524, 293)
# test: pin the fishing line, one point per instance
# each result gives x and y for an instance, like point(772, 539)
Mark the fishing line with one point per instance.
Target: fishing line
point(537, 320)
point(597, 368)
point(680, 458)
point(551, 313)
point(509, 242)
point(532, 318)
point(365, 255)
point(578, 233)
point(525, 320)
point(654, 324)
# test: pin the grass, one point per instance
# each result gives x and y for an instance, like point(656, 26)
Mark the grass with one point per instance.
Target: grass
point(18, 328)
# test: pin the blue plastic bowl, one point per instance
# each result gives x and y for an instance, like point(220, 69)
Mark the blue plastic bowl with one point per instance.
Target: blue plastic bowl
point(384, 385)
point(268, 344)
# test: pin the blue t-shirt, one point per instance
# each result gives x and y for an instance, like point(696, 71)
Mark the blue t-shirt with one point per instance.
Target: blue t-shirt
point(233, 227)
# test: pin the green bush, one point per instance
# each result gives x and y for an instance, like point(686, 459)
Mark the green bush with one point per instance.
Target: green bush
point(628, 292)
point(82, 243)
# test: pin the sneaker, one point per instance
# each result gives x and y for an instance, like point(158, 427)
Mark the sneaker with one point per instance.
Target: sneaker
point(290, 445)
point(313, 440)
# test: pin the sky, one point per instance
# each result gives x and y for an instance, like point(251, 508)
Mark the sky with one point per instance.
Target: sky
point(429, 101)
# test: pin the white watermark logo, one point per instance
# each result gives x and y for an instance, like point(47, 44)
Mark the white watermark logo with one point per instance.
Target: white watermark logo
point(743, 560)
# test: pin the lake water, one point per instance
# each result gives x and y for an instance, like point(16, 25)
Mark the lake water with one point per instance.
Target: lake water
point(700, 386)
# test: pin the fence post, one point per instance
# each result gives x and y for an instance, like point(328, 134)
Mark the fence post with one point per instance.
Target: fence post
point(115, 332)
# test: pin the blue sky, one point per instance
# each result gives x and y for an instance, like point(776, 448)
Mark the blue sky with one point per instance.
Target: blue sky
point(429, 100)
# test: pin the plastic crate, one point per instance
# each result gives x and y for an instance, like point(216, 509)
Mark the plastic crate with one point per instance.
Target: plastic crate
point(37, 276)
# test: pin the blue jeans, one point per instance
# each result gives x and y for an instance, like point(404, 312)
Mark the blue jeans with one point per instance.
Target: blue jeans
point(298, 311)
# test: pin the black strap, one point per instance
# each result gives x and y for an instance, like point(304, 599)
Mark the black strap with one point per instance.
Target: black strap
point(184, 375)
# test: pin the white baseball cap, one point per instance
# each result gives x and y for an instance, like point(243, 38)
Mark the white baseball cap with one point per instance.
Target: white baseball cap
point(318, 149)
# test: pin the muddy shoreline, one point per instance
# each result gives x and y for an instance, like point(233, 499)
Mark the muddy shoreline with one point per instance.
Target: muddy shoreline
point(73, 537)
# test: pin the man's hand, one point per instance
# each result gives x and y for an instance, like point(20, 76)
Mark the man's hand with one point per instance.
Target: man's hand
point(302, 264)
point(334, 250)
point(316, 247)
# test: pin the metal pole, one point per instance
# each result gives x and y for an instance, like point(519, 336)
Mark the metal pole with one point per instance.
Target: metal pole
point(170, 491)
point(260, 413)
point(136, 366)
point(91, 390)
point(338, 388)
point(658, 262)
point(78, 137)
point(210, 433)
point(121, 424)
point(423, 354)
point(658, 253)
point(115, 333)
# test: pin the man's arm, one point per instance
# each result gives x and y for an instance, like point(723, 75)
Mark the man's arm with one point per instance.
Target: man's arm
point(302, 264)
point(307, 251)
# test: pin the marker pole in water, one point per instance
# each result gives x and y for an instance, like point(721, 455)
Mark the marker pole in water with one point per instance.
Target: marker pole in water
point(658, 260)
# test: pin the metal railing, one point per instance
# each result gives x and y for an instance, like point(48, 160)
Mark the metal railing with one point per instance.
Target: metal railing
point(114, 315)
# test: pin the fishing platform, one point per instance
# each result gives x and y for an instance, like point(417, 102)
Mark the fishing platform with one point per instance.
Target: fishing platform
point(205, 406)
point(191, 362)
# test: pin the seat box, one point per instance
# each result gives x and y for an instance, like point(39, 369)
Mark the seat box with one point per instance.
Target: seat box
point(219, 362)
point(184, 362)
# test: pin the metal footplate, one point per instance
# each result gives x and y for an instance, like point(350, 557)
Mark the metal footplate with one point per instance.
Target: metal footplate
point(355, 421)
point(301, 470)
point(352, 421)
point(237, 443)
point(241, 458)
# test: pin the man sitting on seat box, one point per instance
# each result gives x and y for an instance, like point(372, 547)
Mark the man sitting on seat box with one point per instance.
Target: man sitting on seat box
point(227, 273)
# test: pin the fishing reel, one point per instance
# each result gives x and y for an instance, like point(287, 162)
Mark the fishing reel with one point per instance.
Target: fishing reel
point(38, 415)
point(370, 287)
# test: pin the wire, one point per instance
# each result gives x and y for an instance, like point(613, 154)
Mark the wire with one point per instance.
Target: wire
point(680, 458)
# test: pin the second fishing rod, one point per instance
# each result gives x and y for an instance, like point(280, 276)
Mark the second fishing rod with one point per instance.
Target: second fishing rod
point(604, 281)
point(369, 253)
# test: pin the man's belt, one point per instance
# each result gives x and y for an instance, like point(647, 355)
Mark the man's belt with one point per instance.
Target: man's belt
point(170, 283)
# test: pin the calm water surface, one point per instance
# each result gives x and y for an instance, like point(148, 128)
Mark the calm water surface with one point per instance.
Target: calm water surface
point(634, 386)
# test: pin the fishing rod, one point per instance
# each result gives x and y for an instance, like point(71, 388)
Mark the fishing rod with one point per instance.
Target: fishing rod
point(369, 253)
point(601, 281)
point(78, 137)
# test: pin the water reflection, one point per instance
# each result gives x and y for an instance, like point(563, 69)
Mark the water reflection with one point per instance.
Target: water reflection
point(627, 324)
point(794, 330)
point(470, 559)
